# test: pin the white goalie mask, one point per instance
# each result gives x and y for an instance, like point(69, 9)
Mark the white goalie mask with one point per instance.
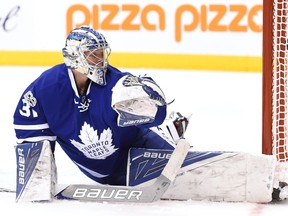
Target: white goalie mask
point(87, 51)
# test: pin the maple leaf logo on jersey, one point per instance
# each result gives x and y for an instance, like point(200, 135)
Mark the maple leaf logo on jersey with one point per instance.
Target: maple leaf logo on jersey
point(92, 146)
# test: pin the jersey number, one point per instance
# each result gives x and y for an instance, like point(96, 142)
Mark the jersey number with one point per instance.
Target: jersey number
point(26, 110)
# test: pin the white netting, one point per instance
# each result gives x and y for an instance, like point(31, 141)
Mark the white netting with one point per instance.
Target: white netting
point(280, 84)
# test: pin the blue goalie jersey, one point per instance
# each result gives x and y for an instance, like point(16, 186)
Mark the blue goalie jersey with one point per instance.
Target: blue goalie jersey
point(85, 126)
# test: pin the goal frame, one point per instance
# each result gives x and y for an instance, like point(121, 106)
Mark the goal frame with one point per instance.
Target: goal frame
point(267, 62)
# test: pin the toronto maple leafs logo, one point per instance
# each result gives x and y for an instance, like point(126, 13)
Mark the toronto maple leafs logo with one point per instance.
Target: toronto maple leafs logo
point(92, 145)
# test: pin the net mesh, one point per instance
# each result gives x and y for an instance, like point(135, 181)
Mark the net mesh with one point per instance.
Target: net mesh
point(280, 84)
point(280, 69)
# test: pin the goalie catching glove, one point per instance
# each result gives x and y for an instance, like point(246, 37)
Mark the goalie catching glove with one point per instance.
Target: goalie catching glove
point(135, 99)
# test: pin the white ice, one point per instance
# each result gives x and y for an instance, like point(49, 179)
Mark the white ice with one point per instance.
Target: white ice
point(226, 115)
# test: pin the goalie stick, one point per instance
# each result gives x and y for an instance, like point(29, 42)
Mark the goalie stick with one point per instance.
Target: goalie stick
point(147, 194)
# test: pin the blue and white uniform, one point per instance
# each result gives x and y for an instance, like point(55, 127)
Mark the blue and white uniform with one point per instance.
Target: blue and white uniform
point(85, 126)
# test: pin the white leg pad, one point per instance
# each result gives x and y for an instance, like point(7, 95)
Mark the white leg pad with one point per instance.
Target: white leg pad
point(232, 177)
point(36, 176)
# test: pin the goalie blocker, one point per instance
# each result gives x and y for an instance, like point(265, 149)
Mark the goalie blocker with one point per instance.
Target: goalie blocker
point(213, 176)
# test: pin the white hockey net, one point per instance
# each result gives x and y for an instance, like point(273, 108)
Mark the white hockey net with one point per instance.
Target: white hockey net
point(280, 123)
point(280, 86)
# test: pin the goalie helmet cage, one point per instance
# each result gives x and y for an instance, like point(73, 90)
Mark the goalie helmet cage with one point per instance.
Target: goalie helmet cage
point(275, 83)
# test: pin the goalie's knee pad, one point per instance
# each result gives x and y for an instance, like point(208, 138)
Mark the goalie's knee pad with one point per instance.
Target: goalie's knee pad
point(36, 172)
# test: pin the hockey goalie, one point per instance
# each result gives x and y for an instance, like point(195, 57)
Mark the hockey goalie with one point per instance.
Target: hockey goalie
point(114, 126)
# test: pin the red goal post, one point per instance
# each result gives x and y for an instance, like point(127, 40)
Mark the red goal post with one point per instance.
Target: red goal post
point(275, 81)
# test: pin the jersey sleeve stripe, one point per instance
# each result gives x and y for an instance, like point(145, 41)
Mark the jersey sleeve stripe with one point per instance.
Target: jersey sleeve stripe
point(31, 127)
point(36, 139)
